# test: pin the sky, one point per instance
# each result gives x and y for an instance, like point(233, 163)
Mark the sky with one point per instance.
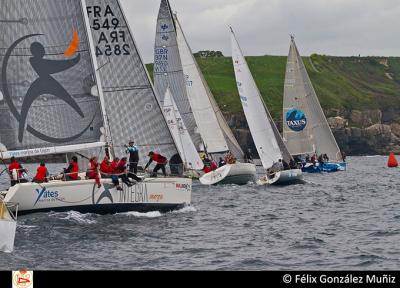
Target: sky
point(331, 27)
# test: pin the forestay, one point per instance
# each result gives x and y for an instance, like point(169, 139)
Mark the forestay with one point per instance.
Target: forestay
point(168, 71)
point(186, 148)
point(305, 128)
point(265, 134)
point(46, 80)
point(131, 105)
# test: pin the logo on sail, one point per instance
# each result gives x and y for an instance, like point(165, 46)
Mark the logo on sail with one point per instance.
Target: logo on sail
point(164, 27)
point(45, 84)
point(296, 120)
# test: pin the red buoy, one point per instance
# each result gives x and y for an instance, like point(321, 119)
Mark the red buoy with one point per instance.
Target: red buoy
point(392, 163)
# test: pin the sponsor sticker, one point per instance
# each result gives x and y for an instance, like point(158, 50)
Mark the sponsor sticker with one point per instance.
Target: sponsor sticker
point(296, 120)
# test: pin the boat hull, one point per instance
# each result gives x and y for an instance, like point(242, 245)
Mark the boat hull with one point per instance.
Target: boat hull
point(326, 167)
point(239, 174)
point(287, 177)
point(153, 194)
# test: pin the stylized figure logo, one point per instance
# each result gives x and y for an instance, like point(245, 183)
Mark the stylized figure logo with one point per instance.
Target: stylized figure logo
point(45, 84)
point(105, 194)
point(296, 120)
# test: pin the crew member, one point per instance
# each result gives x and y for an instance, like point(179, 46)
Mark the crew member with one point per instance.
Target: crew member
point(41, 174)
point(17, 175)
point(133, 151)
point(161, 162)
point(93, 172)
point(71, 173)
point(107, 171)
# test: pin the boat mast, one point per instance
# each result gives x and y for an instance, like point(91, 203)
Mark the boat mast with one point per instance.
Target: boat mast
point(92, 53)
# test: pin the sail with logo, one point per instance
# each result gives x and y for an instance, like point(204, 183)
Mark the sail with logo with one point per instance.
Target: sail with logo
point(215, 132)
point(54, 101)
point(305, 129)
point(267, 139)
point(168, 71)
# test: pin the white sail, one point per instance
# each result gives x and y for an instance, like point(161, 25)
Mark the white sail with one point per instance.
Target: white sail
point(198, 95)
point(186, 148)
point(305, 128)
point(168, 69)
point(258, 118)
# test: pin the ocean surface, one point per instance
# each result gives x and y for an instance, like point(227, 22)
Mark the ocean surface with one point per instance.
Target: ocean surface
point(345, 220)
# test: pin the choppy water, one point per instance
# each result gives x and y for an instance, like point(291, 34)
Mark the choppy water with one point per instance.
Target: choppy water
point(337, 221)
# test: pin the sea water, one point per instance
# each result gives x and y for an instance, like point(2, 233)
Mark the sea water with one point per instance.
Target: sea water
point(344, 220)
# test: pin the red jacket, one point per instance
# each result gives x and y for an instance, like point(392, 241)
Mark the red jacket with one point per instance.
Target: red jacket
point(212, 167)
point(74, 171)
point(41, 173)
point(17, 166)
point(159, 159)
point(93, 169)
point(106, 168)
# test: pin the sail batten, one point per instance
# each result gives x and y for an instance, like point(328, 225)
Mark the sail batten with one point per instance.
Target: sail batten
point(305, 128)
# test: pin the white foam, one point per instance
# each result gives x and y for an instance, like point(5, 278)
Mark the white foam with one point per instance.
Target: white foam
point(154, 214)
point(78, 217)
point(186, 209)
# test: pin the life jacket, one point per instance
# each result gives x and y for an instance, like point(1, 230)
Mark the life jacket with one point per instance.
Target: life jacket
point(74, 171)
point(15, 165)
point(121, 166)
point(214, 166)
point(159, 159)
point(207, 169)
point(114, 166)
point(105, 168)
point(41, 173)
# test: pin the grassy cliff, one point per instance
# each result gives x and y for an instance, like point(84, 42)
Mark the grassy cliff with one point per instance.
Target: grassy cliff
point(349, 83)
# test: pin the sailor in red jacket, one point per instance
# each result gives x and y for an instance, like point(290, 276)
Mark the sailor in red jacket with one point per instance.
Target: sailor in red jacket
point(14, 165)
point(41, 174)
point(71, 173)
point(161, 163)
point(93, 172)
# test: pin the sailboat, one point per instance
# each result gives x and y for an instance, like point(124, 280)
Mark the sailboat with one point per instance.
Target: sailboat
point(267, 139)
point(101, 97)
point(189, 156)
point(179, 66)
point(306, 130)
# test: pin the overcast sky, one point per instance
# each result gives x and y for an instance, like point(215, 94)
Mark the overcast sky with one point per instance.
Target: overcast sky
point(332, 27)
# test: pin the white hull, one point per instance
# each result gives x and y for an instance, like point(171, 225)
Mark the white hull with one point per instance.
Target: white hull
point(283, 178)
point(239, 173)
point(153, 194)
point(8, 227)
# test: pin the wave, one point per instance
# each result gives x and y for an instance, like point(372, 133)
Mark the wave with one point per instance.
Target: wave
point(154, 214)
point(79, 217)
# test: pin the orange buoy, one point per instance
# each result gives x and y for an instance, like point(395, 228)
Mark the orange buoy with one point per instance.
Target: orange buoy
point(392, 163)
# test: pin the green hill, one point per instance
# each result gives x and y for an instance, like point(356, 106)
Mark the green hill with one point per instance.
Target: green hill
point(348, 83)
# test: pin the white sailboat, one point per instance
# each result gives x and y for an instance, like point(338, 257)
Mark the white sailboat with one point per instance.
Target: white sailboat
point(190, 158)
point(180, 65)
point(265, 134)
point(84, 107)
point(306, 130)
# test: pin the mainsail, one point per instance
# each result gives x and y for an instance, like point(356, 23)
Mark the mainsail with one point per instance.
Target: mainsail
point(213, 128)
point(305, 128)
point(47, 80)
point(168, 69)
point(186, 148)
point(132, 108)
point(265, 134)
